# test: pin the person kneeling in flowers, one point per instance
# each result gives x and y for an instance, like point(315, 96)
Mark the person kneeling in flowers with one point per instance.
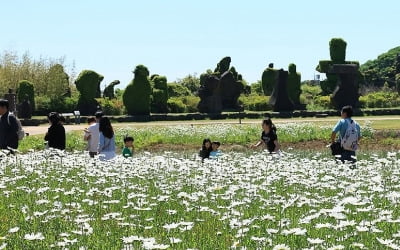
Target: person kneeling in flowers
point(269, 137)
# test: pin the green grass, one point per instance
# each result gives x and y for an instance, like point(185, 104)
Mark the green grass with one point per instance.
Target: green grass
point(192, 135)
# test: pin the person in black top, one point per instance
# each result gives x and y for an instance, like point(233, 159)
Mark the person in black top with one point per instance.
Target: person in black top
point(55, 135)
point(268, 137)
point(8, 127)
point(205, 149)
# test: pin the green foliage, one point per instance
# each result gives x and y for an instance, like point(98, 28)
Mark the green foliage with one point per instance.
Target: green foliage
point(324, 66)
point(337, 50)
point(382, 69)
point(46, 74)
point(137, 94)
point(329, 85)
point(26, 89)
point(191, 103)
point(293, 84)
point(183, 104)
point(175, 90)
point(256, 88)
point(268, 80)
point(323, 102)
point(160, 94)
point(113, 106)
point(88, 83)
point(45, 105)
point(309, 93)
point(223, 65)
point(192, 82)
point(397, 79)
point(176, 105)
point(380, 99)
point(255, 102)
point(58, 80)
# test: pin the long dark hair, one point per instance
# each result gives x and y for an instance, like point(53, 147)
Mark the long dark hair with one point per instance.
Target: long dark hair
point(106, 128)
point(268, 121)
point(54, 118)
point(203, 147)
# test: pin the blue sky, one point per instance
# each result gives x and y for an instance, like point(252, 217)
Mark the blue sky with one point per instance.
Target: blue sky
point(177, 37)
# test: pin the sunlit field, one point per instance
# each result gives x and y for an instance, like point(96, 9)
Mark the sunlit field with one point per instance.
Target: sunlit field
point(61, 200)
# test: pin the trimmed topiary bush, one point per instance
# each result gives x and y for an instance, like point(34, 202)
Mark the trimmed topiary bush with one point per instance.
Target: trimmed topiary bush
point(25, 88)
point(160, 94)
point(223, 65)
point(137, 94)
point(88, 85)
point(337, 50)
point(176, 105)
point(268, 79)
point(294, 84)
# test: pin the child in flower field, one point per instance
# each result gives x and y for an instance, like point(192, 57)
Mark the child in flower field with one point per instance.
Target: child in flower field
point(215, 149)
point(269, 137)
point(128, 149)
point(205, 149)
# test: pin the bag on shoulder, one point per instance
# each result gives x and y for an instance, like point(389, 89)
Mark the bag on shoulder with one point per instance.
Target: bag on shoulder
point(20, 131)
point(350, 138)
point(336, 148)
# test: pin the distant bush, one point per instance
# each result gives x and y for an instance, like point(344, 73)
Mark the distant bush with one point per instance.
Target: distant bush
point(255, 102)
point(45, 105)
point(176, 105)
point(191, 103)
point(381, 99)
point(175, 90)
point(111, 106)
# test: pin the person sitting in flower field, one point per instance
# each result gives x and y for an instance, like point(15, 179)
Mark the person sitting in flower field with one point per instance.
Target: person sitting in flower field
point(55, 136)
point(215, 152)
point(128, 148)
point(269, 138)
point(205, 149)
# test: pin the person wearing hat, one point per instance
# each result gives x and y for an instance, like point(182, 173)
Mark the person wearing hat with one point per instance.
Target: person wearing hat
point(215, 152)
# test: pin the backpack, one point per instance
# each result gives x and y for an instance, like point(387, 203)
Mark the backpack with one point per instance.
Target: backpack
point(350, 139)
point(20, 131)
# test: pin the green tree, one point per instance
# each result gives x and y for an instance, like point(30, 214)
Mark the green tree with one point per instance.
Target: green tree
point(192, 82)
point(137, 94)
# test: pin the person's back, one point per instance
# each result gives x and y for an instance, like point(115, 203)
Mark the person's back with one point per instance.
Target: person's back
point(348, 153)
point(55, 135)
point(8, 127)
point(106, 145)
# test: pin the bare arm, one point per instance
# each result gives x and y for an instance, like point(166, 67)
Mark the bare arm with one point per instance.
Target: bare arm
point(333, 137)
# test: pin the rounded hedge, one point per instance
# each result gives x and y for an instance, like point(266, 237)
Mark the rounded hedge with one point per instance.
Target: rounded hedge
point(26, 88)
point(137, 94)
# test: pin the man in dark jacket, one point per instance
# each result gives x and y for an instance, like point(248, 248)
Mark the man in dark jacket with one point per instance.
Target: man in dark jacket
point(8, 127)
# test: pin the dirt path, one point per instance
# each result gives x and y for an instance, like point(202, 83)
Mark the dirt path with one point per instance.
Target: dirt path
point(42, 129)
